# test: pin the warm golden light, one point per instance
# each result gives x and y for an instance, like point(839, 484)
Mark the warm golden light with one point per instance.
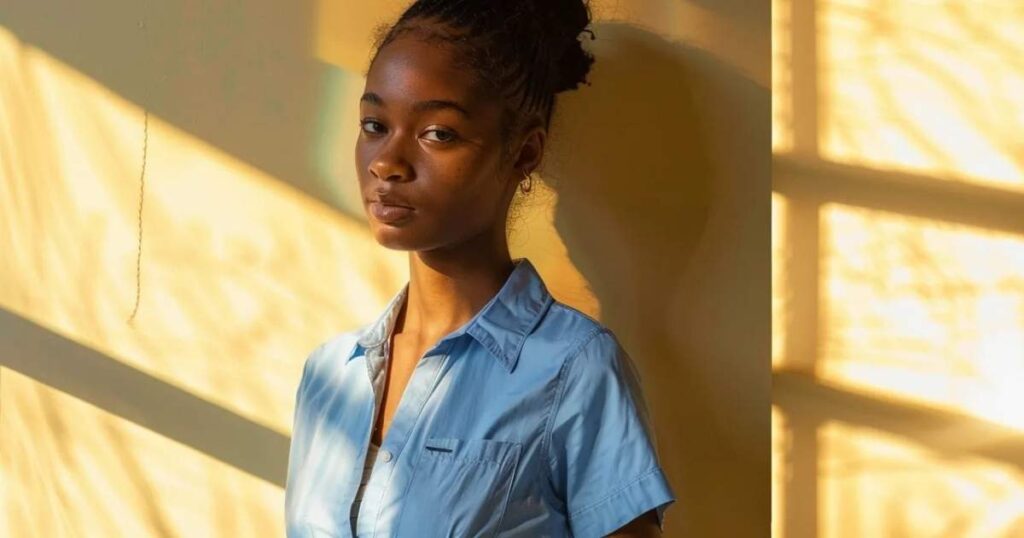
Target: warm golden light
point(930, 87)
point(70, 469)
point(782, 91)
point(227, 250)
point(241, 277)
point(898, 300)
point(779, 289)
point(779, 451)
point(874, 484)
point(925, 310)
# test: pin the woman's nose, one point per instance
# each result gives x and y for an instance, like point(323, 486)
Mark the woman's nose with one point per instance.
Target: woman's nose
point(389, 165)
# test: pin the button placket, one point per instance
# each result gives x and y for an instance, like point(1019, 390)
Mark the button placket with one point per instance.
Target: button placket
point(375, 365)
point(410, 407)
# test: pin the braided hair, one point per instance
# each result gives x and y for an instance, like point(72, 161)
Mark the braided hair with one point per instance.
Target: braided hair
point(524, 51)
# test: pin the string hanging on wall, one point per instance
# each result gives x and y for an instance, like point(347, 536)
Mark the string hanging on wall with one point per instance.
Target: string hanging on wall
point(142, 193)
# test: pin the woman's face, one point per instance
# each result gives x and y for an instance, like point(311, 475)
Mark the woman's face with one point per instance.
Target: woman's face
point(428, 156)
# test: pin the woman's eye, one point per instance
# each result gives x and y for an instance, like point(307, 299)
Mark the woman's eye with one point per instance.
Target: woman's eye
point(365, 123)
point(443, 135)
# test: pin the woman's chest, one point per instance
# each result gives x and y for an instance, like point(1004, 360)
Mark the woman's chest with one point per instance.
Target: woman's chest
point(464, 440)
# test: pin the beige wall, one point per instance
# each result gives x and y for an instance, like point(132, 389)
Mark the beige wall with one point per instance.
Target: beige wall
point(898, 255)
point(254, 249)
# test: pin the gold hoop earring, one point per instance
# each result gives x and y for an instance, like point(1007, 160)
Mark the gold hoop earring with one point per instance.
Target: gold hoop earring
point(527, 183)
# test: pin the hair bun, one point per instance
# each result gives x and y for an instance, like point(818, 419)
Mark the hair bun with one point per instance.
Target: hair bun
point(565, 21)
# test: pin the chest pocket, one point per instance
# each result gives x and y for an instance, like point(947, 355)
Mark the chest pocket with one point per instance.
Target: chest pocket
point(459, 487)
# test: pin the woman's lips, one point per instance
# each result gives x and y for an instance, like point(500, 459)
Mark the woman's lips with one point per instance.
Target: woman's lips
point(390, 214)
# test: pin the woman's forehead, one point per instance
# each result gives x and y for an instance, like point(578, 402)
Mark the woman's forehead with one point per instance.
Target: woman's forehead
point(410, 70)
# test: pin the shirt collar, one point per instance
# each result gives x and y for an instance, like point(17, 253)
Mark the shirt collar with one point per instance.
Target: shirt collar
point(501, 326)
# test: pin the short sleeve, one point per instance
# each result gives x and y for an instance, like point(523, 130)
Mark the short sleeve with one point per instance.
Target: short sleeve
point(602, 450)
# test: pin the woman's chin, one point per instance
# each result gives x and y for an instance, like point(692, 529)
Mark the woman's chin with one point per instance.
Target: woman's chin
point(394, 239)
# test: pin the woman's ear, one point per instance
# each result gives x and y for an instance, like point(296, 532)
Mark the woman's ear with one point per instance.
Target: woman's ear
point(531, 148)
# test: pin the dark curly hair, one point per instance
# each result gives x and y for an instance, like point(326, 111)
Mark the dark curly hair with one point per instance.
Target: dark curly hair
point(524, 51)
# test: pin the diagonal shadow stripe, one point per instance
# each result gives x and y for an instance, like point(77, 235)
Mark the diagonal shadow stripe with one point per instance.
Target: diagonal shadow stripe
point(91, 376)
point(917, 195)
point(238, 75)
point(942, 431)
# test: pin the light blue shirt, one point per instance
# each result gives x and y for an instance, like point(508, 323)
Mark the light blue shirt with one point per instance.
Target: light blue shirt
point(527, 421)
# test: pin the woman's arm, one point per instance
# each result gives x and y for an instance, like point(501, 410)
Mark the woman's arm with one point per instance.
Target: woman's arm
point(645, 526)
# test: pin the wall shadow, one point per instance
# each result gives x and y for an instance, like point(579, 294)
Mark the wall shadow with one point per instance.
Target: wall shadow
point(121, 390)
point(662, 172)
point(899, 192)
point(953, 434)
point(240, 76)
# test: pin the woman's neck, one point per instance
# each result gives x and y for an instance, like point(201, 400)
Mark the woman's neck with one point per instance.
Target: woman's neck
point(446, 289)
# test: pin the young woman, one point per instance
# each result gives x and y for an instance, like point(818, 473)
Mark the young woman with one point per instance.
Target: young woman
point(476, 404)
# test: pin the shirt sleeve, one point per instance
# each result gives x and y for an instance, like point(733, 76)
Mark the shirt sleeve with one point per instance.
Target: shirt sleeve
point(602, 453)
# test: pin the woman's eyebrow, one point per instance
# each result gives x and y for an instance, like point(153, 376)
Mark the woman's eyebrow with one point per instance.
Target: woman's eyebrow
point(440, 104)
point(431, 104)
point(372, 98)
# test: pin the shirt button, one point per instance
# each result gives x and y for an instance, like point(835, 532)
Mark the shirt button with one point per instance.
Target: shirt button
point(386, 455)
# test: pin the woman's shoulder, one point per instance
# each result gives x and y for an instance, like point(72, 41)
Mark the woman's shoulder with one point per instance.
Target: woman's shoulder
point(575, 318)
point(335, 348)
point(576, 331)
